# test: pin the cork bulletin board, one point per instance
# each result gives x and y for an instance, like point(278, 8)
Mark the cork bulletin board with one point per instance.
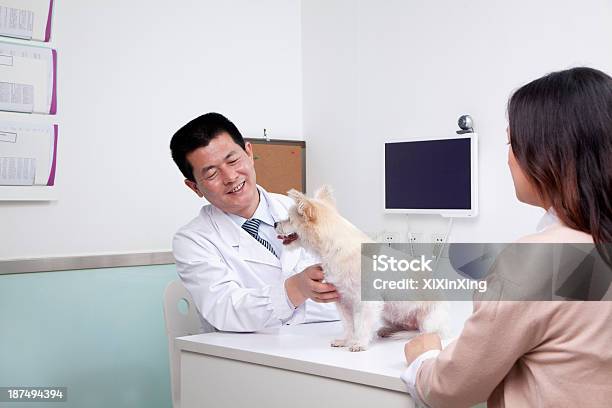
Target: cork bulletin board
point(280, 164)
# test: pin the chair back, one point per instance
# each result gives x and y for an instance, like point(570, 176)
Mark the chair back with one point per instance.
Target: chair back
point(182, 319)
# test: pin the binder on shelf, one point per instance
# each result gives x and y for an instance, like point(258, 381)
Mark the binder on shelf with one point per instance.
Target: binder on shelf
point(26, 19)
point(28, 79)
point(28, 154)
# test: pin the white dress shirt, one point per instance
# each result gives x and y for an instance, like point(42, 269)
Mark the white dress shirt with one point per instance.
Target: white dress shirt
point(548, 219)
point(266, 228)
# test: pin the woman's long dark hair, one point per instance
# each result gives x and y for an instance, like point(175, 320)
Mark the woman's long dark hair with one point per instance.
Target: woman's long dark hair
point(561, 135)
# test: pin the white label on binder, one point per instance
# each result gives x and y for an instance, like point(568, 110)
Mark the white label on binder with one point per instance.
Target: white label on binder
point(8, 137)
point(16, 22)
point(17, 171)
point(6, 60)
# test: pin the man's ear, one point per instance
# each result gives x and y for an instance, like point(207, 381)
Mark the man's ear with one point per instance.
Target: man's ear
point(194, 187)
point(303, 205)
point(325, 193)
point(248, 148)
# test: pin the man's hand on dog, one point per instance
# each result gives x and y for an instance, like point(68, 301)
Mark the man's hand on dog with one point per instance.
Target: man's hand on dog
point(308, 285)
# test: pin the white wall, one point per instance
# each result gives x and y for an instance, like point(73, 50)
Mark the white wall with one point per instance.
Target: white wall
point(345, 75)
point(130, 74)
point(381, 70)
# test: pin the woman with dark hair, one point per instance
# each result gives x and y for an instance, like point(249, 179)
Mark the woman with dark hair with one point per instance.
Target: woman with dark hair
point(540, 354)
point(561, 138)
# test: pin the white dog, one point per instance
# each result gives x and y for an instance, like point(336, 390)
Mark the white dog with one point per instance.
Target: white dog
point(321, 229)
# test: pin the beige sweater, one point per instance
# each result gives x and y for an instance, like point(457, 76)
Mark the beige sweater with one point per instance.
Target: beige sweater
point(526, 354)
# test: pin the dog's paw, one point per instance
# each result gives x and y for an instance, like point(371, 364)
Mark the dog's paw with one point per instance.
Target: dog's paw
point(358, 347)
point(339, 343)
point(386, 331)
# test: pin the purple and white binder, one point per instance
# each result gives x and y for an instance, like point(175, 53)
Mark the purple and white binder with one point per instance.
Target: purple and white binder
point(28, 79)
point(26, 19)
point(28, 154)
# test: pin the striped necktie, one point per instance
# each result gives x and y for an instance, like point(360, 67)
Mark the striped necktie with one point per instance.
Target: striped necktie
point(252, 227)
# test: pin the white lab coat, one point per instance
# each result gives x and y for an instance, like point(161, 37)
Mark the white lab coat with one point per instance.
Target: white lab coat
point(236, 283)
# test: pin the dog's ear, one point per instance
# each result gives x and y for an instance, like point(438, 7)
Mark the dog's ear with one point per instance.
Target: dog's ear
point(304, 207)
point(309, 210)
point(326, 193)
point(297, 196)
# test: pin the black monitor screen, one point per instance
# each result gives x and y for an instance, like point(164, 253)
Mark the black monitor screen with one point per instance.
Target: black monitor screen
point(430, 174)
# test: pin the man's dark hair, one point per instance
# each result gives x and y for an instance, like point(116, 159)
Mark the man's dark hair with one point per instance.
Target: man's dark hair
point(198, 133)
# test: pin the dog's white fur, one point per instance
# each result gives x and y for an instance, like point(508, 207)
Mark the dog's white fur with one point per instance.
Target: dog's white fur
point(324, 231)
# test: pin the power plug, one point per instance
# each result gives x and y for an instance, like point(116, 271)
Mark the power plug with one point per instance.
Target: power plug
point(437, 240)
point(414, 238)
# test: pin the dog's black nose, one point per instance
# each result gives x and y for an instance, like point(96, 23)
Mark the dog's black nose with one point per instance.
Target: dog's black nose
point(275, 224)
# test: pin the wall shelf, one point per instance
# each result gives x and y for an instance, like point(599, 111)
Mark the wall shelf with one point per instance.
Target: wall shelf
point(28, 193)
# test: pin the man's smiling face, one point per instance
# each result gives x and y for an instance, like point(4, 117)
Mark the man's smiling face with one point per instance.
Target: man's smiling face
point(224, 175)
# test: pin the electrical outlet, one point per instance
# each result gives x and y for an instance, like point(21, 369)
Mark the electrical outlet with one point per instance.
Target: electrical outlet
point(414, 238)
point(437, 240)
point(390, 237)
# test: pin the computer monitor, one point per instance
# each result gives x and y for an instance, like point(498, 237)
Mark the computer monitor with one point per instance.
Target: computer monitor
point(432, 176)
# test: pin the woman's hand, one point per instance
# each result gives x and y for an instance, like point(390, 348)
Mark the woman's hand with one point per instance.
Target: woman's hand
point(420, 344)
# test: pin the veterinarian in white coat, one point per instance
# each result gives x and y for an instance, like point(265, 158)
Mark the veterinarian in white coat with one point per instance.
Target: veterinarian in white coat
point(240, 281)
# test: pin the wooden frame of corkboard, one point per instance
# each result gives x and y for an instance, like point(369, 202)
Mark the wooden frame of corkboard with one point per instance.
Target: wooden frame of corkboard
point(280, 164)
